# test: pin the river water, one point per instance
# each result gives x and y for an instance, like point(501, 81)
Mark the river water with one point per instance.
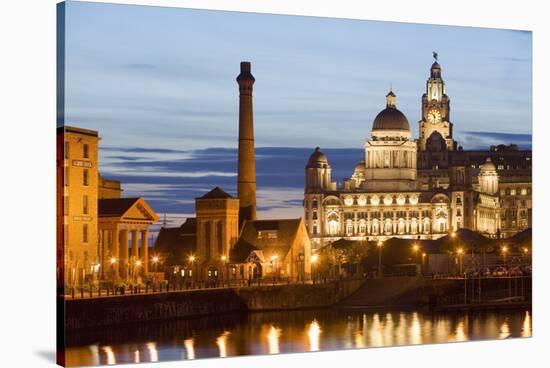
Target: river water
point(286, 332)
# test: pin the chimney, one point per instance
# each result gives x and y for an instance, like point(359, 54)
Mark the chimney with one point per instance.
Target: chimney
point(246, 182)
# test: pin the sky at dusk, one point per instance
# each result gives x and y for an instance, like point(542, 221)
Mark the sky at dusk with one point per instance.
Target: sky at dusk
point(159, 86)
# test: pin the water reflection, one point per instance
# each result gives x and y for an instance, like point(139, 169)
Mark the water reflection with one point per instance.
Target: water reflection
point(110, 355)
point(314, 333)
point(284, 332)
point(273, 339)
point(189, 345)
point(526, 327)
point(221, 341)
point(153, 353)
point(504, 330)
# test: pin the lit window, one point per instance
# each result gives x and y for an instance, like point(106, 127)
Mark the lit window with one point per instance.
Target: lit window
point(85, 204)
point(523, 191)
point(512, 192)
point(85, 233)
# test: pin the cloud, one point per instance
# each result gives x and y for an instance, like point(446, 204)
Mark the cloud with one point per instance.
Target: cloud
point(483, 140)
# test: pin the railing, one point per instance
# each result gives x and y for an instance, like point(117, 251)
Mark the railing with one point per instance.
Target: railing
point(93, 291)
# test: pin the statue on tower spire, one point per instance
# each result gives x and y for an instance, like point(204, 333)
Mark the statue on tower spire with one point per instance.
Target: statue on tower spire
point(434, 55)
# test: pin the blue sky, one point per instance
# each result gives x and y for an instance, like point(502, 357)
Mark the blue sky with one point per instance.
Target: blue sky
point(159, 85)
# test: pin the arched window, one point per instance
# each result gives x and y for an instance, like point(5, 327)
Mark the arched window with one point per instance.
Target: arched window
point(426, 225)
point(388, 227)
point(401, 226)
point(362, 227)
point(333, 222)
point(349, 228)
point(375, 227)
point(414, 226)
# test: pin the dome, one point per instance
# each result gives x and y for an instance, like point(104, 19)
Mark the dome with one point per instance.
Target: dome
point(360, 166)
point(390, 119)
point(487, 166)
point(317, 159)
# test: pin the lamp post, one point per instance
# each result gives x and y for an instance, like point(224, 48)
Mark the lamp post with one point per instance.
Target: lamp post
point(460, 252)
point(380, 245)
point(415, 250)
point(155, 261)
point(504, 253)
point(191, 260)
point(301, 258)
point(314, 259)
point(226, 271)
point(137, 266)
point(112, 262)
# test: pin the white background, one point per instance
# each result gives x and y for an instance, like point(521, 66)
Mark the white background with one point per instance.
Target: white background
point(27, 193)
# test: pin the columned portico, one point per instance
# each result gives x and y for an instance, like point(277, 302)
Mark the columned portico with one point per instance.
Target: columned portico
point(125, 224)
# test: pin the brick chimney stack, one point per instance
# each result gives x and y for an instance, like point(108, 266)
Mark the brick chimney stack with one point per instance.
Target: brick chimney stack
point(246, 182)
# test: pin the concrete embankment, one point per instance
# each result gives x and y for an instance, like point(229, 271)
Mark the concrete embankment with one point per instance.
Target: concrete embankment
point(436, 293)
point(97, 312)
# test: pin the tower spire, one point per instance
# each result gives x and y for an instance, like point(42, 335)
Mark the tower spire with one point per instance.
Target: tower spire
point(246, 182)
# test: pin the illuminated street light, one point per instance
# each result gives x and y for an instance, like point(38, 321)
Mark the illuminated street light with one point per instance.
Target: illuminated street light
point(112, 260)
point(460, 252)
point(314, 259)
point(379, 245)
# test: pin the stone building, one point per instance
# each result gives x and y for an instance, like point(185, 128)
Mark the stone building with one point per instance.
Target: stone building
point(95, 225)
point(225, 240)
point(419, 189)
point(77, 188)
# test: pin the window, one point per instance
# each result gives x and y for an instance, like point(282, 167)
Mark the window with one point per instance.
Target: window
point(314, 229)
point(523, 191)
point(66, 205)
point(85, 151)
point(85, 233)
point(85, 177)
point(220, 237)
point(85, 204)
point(66, 150)
point(512, 192)
point(66, 176)
point(315, 215)
point(207, 239)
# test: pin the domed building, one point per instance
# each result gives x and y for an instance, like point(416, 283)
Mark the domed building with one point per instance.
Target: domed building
point(416, 188)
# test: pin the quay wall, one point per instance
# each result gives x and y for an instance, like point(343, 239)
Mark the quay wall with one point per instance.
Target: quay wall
point(105, 311)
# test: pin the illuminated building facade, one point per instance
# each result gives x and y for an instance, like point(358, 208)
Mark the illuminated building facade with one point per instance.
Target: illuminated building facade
point(419, 189)
point(99, 234)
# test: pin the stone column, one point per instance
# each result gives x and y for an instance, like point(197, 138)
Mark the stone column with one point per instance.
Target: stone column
point(124, 253)
point(114, 243)
point(135, 252)
point(145, 251)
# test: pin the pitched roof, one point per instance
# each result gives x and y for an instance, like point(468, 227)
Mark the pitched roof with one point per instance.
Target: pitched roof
point(280, 236)
point(216, 193)
point(241, 250)
point(175, 244)
point(114, 206)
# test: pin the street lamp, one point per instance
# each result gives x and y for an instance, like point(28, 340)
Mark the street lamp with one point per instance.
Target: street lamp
point(274, 266)
point(112, 261)
point(460, 251)
point(191, 260)
point(225, 263)
point(504, 253)
point(379, 245)
point(155, 259)
point(314, 259)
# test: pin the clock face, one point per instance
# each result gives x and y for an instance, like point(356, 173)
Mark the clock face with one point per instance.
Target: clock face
point(434, 116)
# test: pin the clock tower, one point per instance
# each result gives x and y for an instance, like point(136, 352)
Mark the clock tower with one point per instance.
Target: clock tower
point(435, 123)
